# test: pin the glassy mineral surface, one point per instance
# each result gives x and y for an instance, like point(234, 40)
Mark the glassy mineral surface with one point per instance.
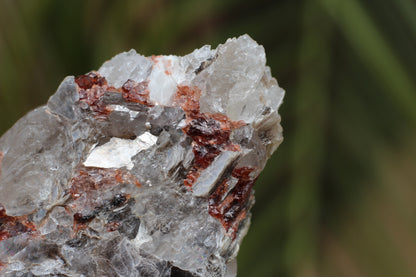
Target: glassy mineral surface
point(145, 167)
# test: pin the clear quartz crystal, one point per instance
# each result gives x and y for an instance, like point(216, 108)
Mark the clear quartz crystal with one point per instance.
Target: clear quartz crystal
point(143, 168)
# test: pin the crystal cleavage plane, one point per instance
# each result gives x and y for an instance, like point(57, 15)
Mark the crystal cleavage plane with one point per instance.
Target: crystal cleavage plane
point(142, 168)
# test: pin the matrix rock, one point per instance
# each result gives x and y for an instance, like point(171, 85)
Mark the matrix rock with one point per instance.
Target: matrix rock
point(145, 167)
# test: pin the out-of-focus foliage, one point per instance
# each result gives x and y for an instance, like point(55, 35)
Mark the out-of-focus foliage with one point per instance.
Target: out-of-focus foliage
point(339, 196)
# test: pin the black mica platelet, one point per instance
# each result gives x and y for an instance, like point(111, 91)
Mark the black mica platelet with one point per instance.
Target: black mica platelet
point(177, 272)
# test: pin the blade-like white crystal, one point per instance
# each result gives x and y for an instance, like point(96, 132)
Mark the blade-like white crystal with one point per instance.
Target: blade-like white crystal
point(211, 175)
point(118, 152)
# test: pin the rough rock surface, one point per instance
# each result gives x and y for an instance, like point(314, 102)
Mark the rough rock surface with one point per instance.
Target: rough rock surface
point(143, 168)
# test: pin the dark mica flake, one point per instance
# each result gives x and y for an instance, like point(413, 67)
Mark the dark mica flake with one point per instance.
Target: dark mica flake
point(82, 219)
point(77, 242)
point(177, 272)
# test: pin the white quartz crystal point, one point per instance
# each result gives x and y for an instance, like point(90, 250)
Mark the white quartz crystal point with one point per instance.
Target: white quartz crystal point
point(124, 66)
point(237, 82)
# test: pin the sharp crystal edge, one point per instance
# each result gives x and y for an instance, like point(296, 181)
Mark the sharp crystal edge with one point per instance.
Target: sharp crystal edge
point(142, 168)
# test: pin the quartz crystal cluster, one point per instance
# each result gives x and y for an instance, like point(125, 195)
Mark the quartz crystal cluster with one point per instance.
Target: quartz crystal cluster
point(142, 168)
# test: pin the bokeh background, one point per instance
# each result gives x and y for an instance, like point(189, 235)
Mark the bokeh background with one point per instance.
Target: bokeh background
point(339, 196)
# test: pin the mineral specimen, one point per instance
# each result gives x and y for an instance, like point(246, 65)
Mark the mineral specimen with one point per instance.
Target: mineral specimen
point(143, 168)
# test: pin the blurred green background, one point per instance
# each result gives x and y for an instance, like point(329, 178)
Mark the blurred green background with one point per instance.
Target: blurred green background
point(339, 196)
